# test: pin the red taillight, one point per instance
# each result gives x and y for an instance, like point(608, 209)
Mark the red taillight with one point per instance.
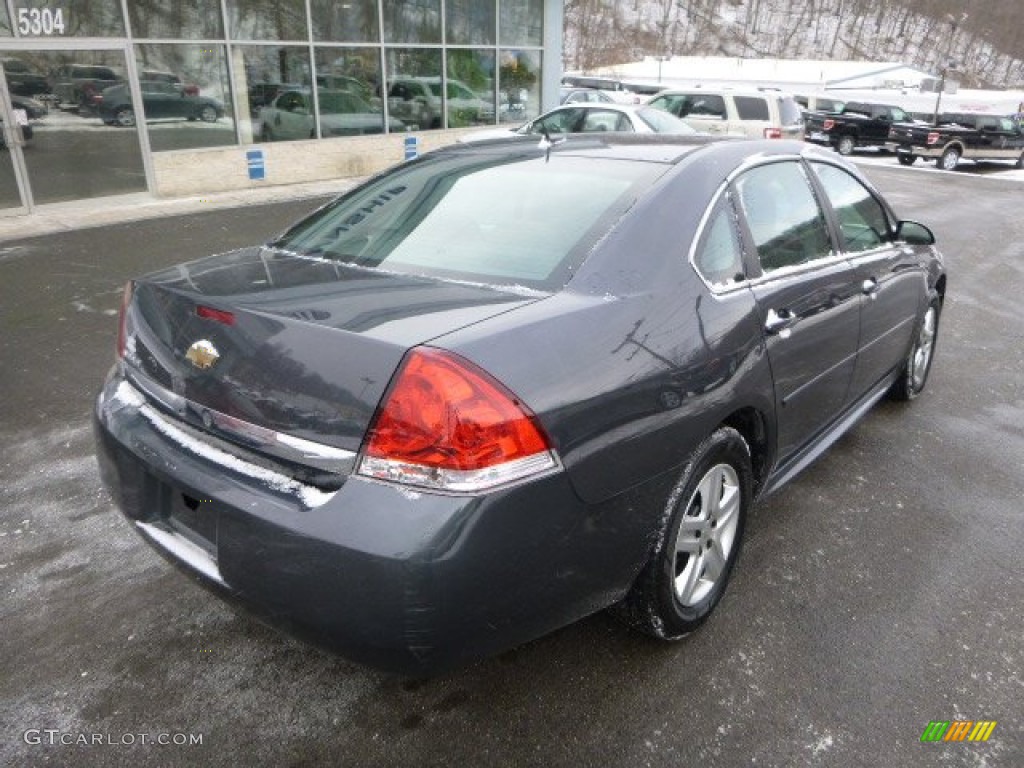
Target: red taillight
point(773, 133)
point(933, 138)
point(828, 125)
point(217, 315)
point(448, 425)
point(122, 315)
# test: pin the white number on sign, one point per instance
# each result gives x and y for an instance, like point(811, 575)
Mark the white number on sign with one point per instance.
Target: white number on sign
point(40, 21)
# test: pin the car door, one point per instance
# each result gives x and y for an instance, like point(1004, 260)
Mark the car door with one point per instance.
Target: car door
point(807, 297)
point(892, 284)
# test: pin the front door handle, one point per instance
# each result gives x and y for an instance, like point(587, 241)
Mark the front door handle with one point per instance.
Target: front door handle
point(779, 323)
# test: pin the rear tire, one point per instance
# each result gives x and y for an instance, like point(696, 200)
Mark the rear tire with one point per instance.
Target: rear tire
point(906, 159)
point(208, 114)
point(846, 145)
point(124, 117)
point(1020, 161)
point(914, 373)
point(698, 543)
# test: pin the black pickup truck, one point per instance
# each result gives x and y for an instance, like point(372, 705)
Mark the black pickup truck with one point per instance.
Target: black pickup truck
point(859, 124)
point(959, 136)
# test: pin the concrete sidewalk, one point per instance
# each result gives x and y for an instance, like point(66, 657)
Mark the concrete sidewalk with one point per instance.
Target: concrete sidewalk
point(98, 212)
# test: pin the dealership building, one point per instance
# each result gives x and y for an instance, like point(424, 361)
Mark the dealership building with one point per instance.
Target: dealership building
point(101, 98)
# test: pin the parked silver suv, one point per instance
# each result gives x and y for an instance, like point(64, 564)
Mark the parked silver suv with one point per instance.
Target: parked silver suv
point(752, 113)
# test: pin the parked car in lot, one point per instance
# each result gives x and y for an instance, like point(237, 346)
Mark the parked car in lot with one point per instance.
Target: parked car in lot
point(504, 386)
point(964, 135)
point(342, 113)
point(591, 118)
point(583, 96)
point(756, 114)
point(21, 80)
point(160, 100)
point(78, 86)
point(857, 124)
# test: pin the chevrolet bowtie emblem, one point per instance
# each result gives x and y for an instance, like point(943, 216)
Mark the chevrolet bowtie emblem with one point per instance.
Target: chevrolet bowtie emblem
point(202, 354)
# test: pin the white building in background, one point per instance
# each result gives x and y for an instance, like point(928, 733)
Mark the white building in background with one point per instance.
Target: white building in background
point(892, 82)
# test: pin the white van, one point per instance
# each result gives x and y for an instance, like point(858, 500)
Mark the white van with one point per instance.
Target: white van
point(753, 113)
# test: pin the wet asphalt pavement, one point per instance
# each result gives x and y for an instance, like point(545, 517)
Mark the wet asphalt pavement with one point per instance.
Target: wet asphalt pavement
point(879, 591)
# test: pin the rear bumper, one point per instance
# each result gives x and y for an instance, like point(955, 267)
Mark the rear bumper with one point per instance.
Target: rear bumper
point(406, 581)
point(913, 149)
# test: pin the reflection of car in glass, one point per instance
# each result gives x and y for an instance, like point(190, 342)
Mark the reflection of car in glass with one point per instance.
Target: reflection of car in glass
point(158, 76)
point(77, 86)
point(593, 118)
point(35, 109)
point(417, 100)
point(21, 80)
point(21, 117)
point(496, 390)
point(262, 94)
point(342, 113)
point(160, 100)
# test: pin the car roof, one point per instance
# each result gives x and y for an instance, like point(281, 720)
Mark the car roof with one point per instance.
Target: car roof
point(723, 91)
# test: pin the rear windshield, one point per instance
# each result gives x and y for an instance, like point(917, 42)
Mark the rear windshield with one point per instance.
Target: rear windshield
point(789, 111)
point(522, 221)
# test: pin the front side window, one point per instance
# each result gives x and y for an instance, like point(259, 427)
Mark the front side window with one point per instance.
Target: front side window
point(705, 105)
point(785, 222)
point(862, 219)
point(559, 121)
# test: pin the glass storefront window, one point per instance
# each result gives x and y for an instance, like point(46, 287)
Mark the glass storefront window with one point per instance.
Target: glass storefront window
point(470, 22)
point(348, 88)
point(470, 88)
point(414, 87)
point(522, 22)
point(415, 21)
point(184, 19)
point(184, 84)
point(262, 73)
point(5, 22)
point(354, 21)
point(519, 85)
point(69, 18)
point(73, 154)
point(267, 20)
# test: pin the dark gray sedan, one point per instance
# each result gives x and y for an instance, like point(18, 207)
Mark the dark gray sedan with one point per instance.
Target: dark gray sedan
point(509, 384)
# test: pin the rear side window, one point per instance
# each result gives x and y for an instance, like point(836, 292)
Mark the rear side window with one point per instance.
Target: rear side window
point(605, 120)
point(528, 221)
point(785, 222)
point(862, 219)
point(751, 108)
point(718, 257)
point(789, 111)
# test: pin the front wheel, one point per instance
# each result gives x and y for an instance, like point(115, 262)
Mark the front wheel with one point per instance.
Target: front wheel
point(906, 159)
point(688, 571)
point(949, 159)
point(846, 145)
point(914, 373)
point(208, 114)
point(124, 117)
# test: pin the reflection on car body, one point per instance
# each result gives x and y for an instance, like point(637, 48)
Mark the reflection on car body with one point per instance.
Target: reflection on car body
point(501, 387)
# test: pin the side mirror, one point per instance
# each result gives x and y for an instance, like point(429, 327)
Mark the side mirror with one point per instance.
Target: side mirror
point(913, 233)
